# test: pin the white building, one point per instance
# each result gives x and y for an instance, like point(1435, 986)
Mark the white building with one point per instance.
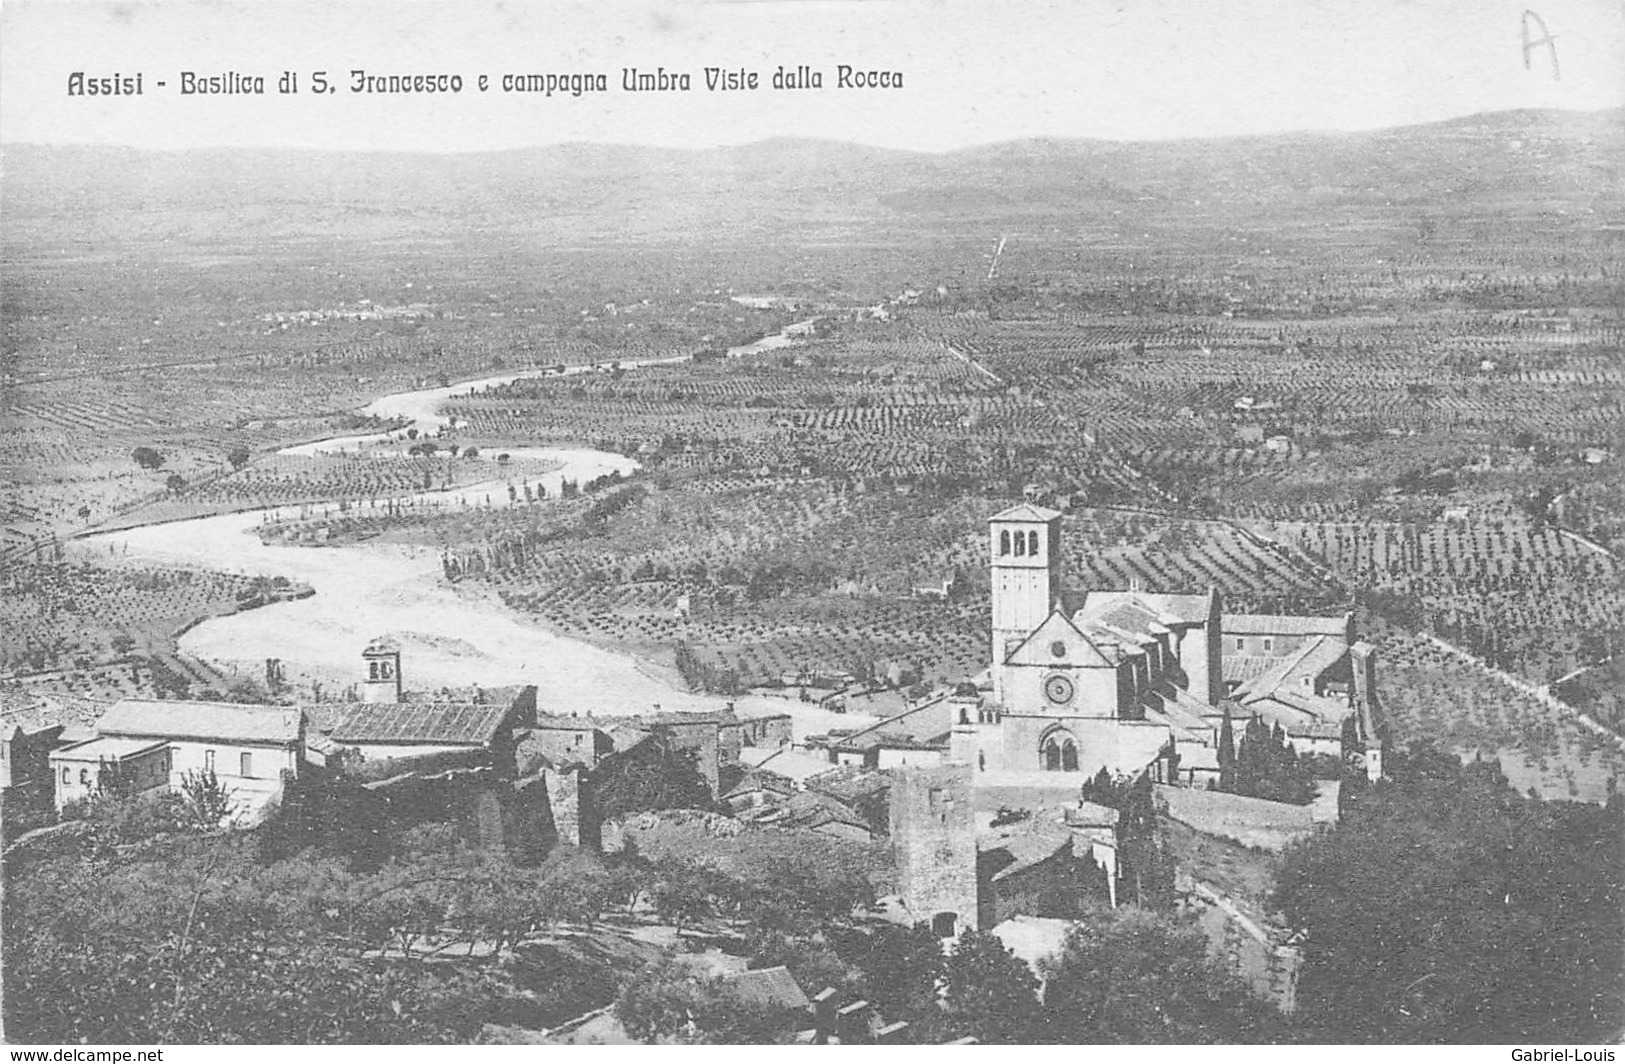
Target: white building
point(252, 750)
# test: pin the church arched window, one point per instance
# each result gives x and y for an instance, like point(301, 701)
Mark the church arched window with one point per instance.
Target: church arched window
point(1069, 756)
point(372, 670)
point(1004, 542)
point(1021, 544)
point(1032, 543)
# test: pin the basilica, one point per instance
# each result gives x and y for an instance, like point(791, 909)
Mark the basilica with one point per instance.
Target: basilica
point(1132, 681)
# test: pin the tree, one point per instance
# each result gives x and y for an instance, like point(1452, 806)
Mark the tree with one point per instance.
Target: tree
point(1147, 871)
point(175, 484)
point(670, 1003)
point(990, 993)
point(238, 457)
point(1227, 752)
point(902, 968)
point(651, 775)
point(208, 801)
point(1446, 907)
point(147, 458)
point(190, 939)
point(1131, 976)
point(1267, 767)
point(680, 895)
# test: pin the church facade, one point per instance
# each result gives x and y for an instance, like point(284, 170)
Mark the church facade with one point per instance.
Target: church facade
point(1132, 681)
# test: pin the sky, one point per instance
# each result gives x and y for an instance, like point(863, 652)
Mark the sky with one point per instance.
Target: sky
point(973, 72)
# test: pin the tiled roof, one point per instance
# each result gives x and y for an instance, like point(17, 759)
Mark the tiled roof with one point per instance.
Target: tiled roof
point(227, 721)
point(1189, 609)
point(110, 748)
point(1028, 843)
point(555, 722)
point(754, 780)
point(1282, 624)
point(1239, 668)
point(453, 723)
point(1129, 617)
point(850, 784)
point(797, 765)
point(1286, 678)
point(651, 720)
point(1026, 511)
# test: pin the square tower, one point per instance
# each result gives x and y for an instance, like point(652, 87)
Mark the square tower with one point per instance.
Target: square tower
point(1025, 548)
point(933, 837)
point(383, 676)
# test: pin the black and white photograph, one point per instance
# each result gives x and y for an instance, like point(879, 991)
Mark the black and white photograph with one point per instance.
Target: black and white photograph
point(824, 522)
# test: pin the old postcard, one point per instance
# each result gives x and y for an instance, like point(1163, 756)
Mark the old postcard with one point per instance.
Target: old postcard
point(900, 522)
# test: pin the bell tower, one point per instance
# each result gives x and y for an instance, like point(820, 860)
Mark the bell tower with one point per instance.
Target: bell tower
point(1025, 546)
point(383, 678)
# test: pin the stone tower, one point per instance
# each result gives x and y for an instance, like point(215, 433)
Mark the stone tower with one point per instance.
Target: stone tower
point(1025, 546)
point(933, 833)
point(383, 676)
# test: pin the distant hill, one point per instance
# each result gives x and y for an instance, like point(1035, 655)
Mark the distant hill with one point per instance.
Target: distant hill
point(1537, 160)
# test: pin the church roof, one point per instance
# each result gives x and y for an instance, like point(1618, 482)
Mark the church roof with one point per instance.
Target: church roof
point(1057, 627)
point(1026, 512)
point(1129, 616)
point(1186, 609)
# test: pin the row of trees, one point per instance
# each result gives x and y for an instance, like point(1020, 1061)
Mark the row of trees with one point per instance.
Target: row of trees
point(1264, 764)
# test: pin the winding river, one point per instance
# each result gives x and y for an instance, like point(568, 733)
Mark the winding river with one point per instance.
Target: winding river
point(449, 637)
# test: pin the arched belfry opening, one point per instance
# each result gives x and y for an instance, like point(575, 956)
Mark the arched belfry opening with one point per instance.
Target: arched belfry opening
point(383, 661)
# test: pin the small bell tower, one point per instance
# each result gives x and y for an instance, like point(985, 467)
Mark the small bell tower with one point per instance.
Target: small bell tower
point(382, 682)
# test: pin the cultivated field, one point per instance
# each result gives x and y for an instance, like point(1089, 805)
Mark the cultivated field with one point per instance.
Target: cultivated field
point(1379, 370)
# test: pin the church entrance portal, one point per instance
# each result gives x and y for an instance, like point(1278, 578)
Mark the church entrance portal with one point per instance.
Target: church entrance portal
point(1059, 753)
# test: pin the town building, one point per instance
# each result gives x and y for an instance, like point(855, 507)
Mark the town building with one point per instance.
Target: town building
point(252, 750)
point(380, 731)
